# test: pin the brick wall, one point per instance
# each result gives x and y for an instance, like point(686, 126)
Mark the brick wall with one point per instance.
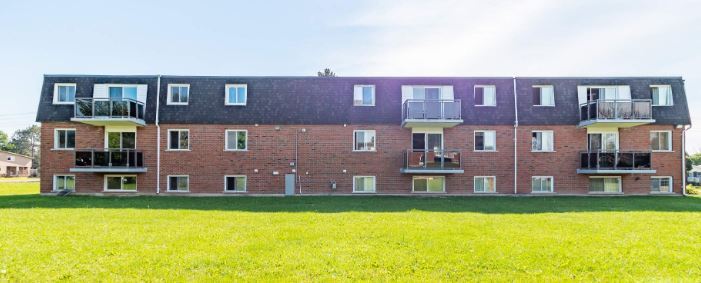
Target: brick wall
point(325, 151)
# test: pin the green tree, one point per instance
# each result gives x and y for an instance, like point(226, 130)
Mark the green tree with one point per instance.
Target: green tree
point(694, 159)
point(326, 73)
point(26, 142)
point(4, 141)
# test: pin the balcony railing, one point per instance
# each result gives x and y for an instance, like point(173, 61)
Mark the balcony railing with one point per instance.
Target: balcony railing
point(629, 109)
point(108, 108)
point(433, 160)
point(109, 159)
point(615, 160)
point(420, 109)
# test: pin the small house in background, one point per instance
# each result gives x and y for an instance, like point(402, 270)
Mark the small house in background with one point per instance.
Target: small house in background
point(694, 175)
point(14, 165)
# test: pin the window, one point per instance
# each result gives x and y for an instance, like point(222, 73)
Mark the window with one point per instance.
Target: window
point(543, 95)
point(542, 184)
point(426, 93)
point(64, 139)
point(121, 140)
point(179, 183)
point(485, 184)
point(122, 92)
point(428, 184)
point(661, 95)
point(235, 184)
point(64, 182)
point(236, 140)
point(604, 184)
point(485, 141)
point(364, 184)
point(661, 184)
point(485, 95)
point(178, 94)
point(542, 141)
point(179, 139)
point(605, 142)
point(120, 183)
point(603, 93)
point(661, 140)
point(364, 95)
point(364, 140)
point(64, 93)
point(236, 94)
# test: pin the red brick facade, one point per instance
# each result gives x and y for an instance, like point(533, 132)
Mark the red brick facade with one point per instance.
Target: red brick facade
point(323, 154)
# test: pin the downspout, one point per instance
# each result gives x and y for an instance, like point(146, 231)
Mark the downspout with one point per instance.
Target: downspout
point(684, 159)
point(515, 139)
point(158, 137)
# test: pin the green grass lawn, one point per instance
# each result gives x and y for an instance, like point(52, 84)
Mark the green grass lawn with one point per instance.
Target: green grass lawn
point(82, 238)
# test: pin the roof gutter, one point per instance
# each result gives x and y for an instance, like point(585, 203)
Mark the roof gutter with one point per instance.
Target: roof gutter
point(515, 139)
point(158, 137)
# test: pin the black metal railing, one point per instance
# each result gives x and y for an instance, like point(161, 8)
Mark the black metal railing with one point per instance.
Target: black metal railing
point(110, 158)
point(108, 108)
point(432, 159)
point(628, 109)
point(616, 160)
point(425, 109)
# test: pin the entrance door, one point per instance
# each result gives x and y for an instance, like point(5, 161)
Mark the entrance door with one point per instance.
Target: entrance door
point(289, 184)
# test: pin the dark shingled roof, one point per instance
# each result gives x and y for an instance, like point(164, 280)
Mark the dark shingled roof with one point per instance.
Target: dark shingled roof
point(314, 100)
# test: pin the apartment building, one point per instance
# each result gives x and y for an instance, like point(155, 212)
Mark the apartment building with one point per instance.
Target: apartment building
point(207, 135)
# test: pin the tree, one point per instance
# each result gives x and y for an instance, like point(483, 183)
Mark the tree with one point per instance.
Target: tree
point(326, 73)
point(694, 159)
point(26, 142)
point(3, 141)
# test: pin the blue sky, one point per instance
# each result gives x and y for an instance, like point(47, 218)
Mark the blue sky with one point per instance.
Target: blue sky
point(354, 38)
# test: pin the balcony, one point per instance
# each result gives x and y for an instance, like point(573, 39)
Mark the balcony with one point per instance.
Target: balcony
point(616, 113)
point(109, 161)
point(616, 162)
point(107, 112)
point(431, 113)
point(432, 162)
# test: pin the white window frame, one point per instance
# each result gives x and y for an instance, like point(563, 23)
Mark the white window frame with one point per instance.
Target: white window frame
point(245, 189)
point(474, 141)
point(374, 184)
point(56, 176)
point(226, 97)
point(474, 187)
point(552, 184)
point(669, 142)
point(671, 184)
point(361, 95)
point(541, 95)
point(552, 142)
point(374, 133)
point(603, 133)
point(55, 98)
point(122, 183)
point(177, 191)
point(56, 138)
point(136, 86)
point(170, 97)
point(178, 149)
point(426, 177)
point(620, 184)
point(671, 95)
point(226, 140)
point(474, 95)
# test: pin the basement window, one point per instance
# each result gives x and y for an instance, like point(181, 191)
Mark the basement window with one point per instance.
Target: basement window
point(485, 184)
point(64, 182)
point(661, 184)
point(178, 183)
point(120, 183)
point(364, 184)
point(428, 184)
point(235, 184)
point(542, 184)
